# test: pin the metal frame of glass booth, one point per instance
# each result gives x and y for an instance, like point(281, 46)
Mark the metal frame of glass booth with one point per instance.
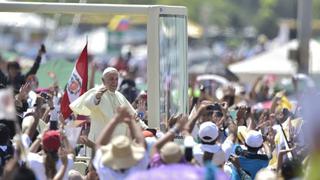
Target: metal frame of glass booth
point(167, 49)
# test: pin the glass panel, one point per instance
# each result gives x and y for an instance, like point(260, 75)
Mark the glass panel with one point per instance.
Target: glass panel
point(173, 73)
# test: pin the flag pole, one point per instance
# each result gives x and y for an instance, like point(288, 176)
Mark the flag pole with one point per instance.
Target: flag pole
point(290, 155)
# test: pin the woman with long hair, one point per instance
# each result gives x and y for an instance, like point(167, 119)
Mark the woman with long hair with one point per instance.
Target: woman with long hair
point(55, 159)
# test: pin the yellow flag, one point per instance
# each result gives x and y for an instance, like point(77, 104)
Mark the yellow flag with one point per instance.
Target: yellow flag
point(119, 22)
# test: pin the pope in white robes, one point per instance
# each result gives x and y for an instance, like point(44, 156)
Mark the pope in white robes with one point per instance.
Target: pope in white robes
point(101, 103)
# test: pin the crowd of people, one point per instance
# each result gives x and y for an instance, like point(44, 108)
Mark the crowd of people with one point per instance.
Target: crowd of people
point(226, 138)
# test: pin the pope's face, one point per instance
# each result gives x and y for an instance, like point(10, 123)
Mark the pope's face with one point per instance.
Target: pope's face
point(110, 80)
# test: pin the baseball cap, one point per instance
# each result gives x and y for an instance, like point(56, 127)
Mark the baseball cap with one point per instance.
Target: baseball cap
point(51, 141)
point(208, 132)
point(147, 134)
point(254, 139)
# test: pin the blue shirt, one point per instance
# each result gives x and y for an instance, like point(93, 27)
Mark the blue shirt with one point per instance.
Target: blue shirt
point(251, 165)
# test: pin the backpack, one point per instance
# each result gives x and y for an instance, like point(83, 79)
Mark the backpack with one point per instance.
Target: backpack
point(4, 156)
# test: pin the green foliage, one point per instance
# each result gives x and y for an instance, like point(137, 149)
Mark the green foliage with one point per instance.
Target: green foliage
point(315, 10)
point(262, 14)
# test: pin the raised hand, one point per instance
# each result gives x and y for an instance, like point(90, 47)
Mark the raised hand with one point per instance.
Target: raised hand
point(86, 141)
point(52, 75)
point(233, 128)
point(100, 92)
point(271, 136)
point(24, 91)
point(42, 49)
point(235, 161)
point(241, 115)
point(63, 156)
point(141, 106)
point(182, 121)
point(280, 94)
point(173, 120)
point(202, 109)
point(124, 114)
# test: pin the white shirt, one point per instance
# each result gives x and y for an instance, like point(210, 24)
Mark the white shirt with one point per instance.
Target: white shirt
point(26, 141)
point(105, 172)
point(199, 149)
point(36, 163)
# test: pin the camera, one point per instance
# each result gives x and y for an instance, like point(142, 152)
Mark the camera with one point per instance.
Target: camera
point(45, 96)
point(239, 151)
point(53, 125)
point(219, 114)
point(214, 107)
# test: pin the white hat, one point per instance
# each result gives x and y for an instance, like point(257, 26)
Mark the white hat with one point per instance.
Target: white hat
point(109, 69)
point(208, 132)
point(266, 174)
point(254, 139)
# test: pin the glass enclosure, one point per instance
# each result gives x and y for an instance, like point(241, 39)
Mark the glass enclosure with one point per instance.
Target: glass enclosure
point(166, 46)
point(173, 77)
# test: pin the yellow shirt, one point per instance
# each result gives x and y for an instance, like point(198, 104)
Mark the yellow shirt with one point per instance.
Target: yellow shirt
point(312, 170)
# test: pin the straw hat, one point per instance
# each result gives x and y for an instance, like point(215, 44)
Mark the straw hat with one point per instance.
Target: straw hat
point(121, 153)
point(171, 153)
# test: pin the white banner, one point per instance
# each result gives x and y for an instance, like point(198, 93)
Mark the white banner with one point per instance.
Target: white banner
point(7, 107)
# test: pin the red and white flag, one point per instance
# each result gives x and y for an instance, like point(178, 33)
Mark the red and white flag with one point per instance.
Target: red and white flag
point(77, 84)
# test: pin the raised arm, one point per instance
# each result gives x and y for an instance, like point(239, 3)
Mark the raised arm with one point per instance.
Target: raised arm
point(135, 131)
point(33, 128)
point(191, 123)
point(169, 136)
point(36, 115)
point(253, 94)
point(36, 64)
point(281, 154)
point(275, 101)
point(63, 168)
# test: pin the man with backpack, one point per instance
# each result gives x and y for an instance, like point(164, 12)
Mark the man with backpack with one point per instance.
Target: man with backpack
point(6, 148)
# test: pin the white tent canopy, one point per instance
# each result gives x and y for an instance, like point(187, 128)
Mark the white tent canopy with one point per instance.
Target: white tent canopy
point(275, 61)
point(26, 20)
point(97, 43)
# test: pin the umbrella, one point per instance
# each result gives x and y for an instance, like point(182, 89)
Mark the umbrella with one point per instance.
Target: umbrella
point(176, 172)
